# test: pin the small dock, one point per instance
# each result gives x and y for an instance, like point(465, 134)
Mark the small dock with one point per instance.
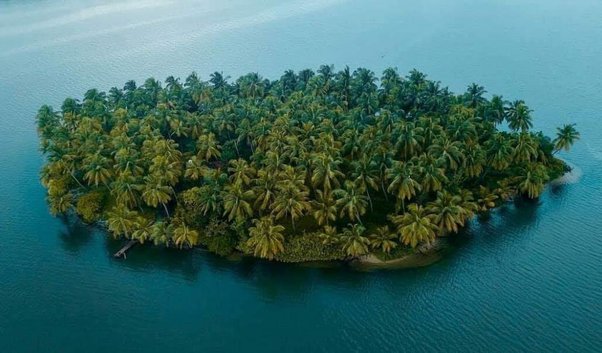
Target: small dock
point(125, 248)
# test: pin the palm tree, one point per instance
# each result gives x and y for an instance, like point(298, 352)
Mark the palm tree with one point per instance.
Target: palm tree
point(195, 168)
point(144, 230)
point(162, 233)
point(416, 226)
point(324, 206)
point(365, 174)
point(474, 95)
point(403, 184)
point(210, 198)
point(500, 152)
point(354, 243)
point(409, 138)
point(184, 236)
point(518, 116)
point(495, 112)
point(532, 179)
point(266, 239)
point(155, 193)
point(566, 136)
point(237, 203)
point(208, 147)
point(122, 221)
point(326, 172)
point(60, 203)
point(98, 170)
point(329, 236)
point(474, 160)
point(526, 148)
point(432, 174)
point(467, 204)
point(449, 151)
point(351, 201)
point(241, 172)
point(382, 239)
point(265, 190)
point(486, 200)
point(126, 189)
point(290, 201)
point(446, 212)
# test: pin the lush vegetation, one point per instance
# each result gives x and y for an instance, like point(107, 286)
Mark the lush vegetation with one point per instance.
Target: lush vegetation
point(312, 166)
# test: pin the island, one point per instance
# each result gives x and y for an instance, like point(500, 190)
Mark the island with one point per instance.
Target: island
point(313, 166)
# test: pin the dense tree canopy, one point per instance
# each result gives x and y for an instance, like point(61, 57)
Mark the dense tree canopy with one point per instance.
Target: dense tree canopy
point(314, 165)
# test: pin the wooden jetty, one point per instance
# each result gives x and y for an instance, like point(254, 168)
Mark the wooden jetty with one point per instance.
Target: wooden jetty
point(126, 247)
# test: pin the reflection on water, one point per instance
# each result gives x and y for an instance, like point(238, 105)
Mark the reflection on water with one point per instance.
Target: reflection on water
point(74, 234)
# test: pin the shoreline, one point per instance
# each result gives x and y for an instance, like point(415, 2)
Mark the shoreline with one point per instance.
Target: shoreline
point(571, 177)
point(427, 256)
point(421, 258)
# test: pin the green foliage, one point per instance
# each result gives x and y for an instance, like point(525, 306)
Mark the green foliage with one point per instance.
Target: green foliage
point(309, 247)
point(275, 167)
point(218, 238)
point(89, 206)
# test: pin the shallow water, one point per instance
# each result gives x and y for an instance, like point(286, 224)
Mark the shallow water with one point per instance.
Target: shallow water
point(525, 279)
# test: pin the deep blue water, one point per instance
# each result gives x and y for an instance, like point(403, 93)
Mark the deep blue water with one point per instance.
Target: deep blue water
point(526, 279)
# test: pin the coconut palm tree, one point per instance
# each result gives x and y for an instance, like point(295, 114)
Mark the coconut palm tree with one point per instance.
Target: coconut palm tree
point(155, 193)
point(326, 172)
point(351, 201)
point(184, 236)
point(526, 148)
point(566, 136)
point(416, 226)
point(162, 233)
point(409, 138)
point(474, 95)
point(265, 238)
point(446, 211)
point(499, 151)
point(495, 111)
point(432, 173)
point(122, 221)
point(98, 170)
point(403, 183)
point(354, 243)
point(291, 201)
point(518, 116)
point(237, 203)
point(487, 199)
point(365, 174)
point(144, 230)
point(474, 160)
point(450, 152)
point(324, 207)
point(383, 240)
point(241, 172)
point(60, 203)
point(127, 189)
point(208, 147)
point(195, 168)
point(532, 180)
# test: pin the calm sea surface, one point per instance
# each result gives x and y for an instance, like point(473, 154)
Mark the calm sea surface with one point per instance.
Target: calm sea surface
point(527, 279)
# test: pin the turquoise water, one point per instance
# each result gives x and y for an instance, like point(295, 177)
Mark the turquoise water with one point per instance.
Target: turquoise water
point(526, 279)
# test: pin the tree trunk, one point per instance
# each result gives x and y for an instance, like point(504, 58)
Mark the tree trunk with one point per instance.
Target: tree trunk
point(382, 185)
point(77, 181)
point(166, 211)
